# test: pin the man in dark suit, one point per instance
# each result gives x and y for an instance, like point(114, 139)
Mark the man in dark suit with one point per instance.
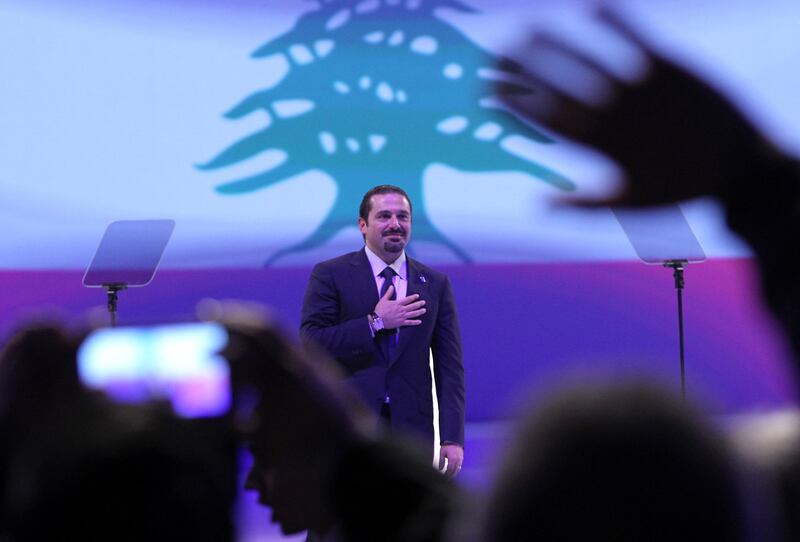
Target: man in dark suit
point(379, 313)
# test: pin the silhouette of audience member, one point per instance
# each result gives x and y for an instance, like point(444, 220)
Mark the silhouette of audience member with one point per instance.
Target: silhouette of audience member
point(76, 466)
point(299, 426)
point(769, 444)
point(38, 386)
point(674, 138)
point(624, 462)
point(321, 461)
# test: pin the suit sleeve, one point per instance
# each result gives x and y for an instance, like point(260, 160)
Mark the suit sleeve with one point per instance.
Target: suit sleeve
point(320, 320)
point(448, 369)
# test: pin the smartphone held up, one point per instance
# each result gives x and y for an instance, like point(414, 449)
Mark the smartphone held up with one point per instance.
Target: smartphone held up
point(179, 363)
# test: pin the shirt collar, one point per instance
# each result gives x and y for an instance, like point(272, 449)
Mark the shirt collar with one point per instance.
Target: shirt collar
point(378, 265)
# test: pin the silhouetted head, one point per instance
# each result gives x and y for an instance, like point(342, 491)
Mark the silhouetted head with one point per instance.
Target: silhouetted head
point(143, 479)
point(305, 417)
point(77, 466)
point(38, 368)
point(769, 444)
point(625, 462)
point(292, 487)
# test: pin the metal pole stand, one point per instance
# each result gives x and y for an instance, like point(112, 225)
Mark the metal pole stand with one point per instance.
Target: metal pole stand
point(111, 291)
point(677, 267)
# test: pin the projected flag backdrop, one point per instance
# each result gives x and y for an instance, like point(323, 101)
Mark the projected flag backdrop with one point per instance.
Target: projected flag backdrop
point(258, 126)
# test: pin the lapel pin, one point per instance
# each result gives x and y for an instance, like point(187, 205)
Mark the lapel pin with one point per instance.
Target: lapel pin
point(422, 278)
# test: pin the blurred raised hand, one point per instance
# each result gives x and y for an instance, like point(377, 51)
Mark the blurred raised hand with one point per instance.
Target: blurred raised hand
point(674, 136)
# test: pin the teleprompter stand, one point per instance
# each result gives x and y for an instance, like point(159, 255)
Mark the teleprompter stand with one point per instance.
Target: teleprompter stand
point(677, 267)
point(111, 292)
point(663, 237)
point(128, 255)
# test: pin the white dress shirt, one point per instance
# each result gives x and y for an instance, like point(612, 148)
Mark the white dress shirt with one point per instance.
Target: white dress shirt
point(400, 280)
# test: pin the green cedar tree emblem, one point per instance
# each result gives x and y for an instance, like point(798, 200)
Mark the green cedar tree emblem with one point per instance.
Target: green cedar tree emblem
point(378, 91)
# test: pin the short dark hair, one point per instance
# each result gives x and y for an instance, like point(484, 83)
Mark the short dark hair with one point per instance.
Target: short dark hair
point(366, 201)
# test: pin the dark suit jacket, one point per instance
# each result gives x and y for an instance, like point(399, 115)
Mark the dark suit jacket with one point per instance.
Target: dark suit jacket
point(341, 293)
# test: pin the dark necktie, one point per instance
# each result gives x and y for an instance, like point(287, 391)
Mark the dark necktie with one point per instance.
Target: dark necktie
point(388, 274)
point(388, 337)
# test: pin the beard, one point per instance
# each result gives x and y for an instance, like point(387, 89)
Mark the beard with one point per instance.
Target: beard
point(394, 247)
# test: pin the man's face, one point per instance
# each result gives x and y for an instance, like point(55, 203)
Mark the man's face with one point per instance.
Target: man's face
point(293, 498)
point(388, 226)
